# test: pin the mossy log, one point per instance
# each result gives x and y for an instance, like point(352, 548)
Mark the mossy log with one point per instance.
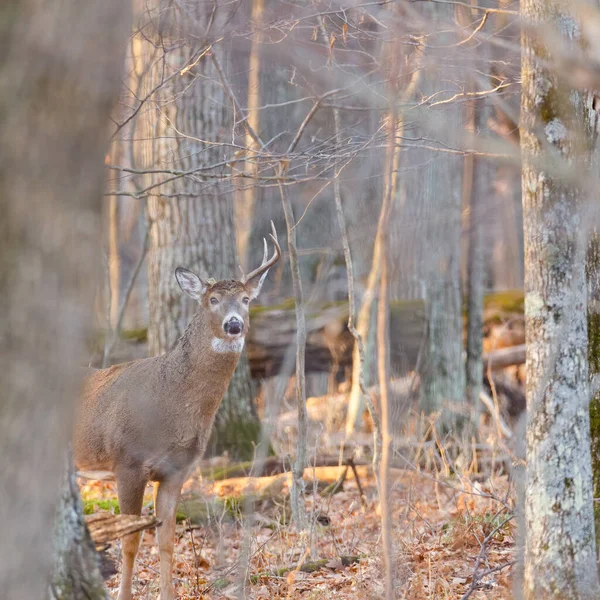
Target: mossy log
point(308, 567)
point(273, 465)
point(329, 343)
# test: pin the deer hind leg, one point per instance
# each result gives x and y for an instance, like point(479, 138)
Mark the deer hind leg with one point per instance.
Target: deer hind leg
point(130, 489)
point(166, 498)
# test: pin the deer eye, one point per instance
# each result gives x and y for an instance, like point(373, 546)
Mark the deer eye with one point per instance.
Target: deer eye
point(214, 301)
point(245, 299)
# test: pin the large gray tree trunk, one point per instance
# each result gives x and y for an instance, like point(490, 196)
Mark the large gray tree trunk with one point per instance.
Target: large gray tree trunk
point(59, 71)
point(191, 218)
point(560, 552)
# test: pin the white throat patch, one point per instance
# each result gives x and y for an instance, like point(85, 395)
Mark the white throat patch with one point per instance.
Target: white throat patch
point(222, 346)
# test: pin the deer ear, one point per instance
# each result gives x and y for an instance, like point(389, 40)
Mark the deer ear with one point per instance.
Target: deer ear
point(255, 284)
point(190, 283)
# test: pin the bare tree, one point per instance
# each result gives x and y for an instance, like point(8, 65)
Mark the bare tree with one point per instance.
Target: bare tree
point(439, 189)
point(59, 72)
point(190, 125)
point(560, 553)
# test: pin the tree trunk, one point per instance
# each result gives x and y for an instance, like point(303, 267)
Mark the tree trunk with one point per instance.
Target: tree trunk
point(76, 574)
point(440, 193)
point(560, 552)
point(476, 263)
point(593, 319)
point(248, 187)
point(59, 73)
point(192, 219)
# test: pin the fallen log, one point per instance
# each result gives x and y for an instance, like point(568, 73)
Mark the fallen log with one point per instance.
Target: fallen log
point(329, 343)
point(504, 357)
point(105, 527)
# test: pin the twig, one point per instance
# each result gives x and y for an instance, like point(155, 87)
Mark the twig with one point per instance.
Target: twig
point(233, 99)
point(477, 576)
point(363, 498)
point(307, 119)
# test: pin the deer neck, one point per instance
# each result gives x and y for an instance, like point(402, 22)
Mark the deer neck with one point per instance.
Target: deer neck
point(202, 362)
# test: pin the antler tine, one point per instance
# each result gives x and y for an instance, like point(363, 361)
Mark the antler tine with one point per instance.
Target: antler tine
point(266, 264)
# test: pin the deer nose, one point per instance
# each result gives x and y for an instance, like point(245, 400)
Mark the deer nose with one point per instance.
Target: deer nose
point(233, 326)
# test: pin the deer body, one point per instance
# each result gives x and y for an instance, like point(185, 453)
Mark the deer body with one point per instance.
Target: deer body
point(174, 396)
point(150, 419)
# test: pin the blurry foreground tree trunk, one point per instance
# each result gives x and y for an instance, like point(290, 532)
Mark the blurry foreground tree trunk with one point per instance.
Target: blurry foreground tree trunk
point(593, 298)
point(76, 574)
point(560, 551)
point(191, 219)
point(59, 73)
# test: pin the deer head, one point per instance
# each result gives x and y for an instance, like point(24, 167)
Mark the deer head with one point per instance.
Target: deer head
point(226, 303)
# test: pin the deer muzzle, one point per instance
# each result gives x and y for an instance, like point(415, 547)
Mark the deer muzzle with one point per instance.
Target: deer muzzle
point(233, 326)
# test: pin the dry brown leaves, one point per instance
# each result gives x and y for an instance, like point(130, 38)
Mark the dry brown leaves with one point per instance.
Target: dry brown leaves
point(439, 527)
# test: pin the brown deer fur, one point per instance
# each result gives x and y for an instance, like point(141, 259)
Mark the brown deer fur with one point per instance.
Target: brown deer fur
point(150, 419)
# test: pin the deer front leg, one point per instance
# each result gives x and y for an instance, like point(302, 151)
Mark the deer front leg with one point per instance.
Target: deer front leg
point(166, 498)
point(130, 489)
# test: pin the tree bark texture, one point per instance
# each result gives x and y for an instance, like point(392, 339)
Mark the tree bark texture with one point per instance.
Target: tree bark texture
point(192, 218)
point(59, 73)
point(593, 319)
point(76, 574)
point(476, 267)
point(560, 552)
point(438, 208)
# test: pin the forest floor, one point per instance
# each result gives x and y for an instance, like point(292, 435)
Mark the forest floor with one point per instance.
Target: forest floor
point(453, 535)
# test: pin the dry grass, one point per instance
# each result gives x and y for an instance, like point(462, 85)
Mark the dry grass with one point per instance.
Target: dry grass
point(440, 523)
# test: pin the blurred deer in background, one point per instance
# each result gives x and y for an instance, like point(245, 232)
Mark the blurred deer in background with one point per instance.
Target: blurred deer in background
point(150, 419)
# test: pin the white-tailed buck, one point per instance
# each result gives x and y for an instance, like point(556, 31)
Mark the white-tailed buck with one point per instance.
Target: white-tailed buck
point(150, 419)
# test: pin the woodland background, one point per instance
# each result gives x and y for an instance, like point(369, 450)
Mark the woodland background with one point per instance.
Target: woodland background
point(431, 170)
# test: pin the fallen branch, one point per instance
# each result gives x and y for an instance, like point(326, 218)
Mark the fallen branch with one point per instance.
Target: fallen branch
point(490, 405)
point(308, 567)
point(106, 527)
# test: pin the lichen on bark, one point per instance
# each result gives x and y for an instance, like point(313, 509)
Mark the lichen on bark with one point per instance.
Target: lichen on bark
point(560, 552)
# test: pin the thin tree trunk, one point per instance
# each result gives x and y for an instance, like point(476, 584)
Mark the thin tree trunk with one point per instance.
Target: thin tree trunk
point(114, 262)
point(383, 364)
point(297, 494)
point(593, 320)
point(192, 219)
point(476, 262)
point(246, 196)
point(356, 402)
point(59, 73)
point(560, 552)
point(358, 340)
